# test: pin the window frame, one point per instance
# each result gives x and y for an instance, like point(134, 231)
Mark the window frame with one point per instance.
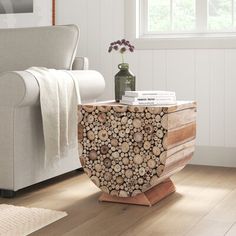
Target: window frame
point(135, 33)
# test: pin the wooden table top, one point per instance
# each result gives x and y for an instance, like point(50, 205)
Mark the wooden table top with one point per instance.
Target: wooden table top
point(180, 105)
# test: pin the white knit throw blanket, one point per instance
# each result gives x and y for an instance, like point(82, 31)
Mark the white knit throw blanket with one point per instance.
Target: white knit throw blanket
point(59, 97)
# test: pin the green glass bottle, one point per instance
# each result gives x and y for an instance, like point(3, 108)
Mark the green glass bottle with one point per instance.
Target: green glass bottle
point(124, 81)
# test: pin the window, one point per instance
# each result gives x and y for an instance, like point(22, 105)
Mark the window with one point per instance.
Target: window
point(187, 16)
point(169, 15)
point(210, 23)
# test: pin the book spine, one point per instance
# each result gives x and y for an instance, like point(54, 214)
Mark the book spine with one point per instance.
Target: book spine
point(149, 98)
point(145, 93)
point(154, 103)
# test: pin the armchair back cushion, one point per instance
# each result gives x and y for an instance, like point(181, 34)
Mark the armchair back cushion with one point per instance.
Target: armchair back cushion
point(51, 47)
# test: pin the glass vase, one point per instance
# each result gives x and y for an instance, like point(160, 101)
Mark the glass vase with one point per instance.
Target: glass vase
point(124, 81)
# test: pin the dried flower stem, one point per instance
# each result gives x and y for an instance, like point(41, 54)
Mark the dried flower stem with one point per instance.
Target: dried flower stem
point(122, 58)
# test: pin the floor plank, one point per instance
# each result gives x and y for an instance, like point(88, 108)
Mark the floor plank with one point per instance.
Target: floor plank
point(226, 209)
point(210, 227)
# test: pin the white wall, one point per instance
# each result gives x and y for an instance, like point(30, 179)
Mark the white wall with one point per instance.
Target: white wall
point(207, 76)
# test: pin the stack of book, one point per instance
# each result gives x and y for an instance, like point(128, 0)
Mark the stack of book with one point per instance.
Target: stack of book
point(149, 98)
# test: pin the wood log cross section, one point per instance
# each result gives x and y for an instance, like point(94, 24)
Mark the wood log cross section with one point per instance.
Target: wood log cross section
point(127, 150)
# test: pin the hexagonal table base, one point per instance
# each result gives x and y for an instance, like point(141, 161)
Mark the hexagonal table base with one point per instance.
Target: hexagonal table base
point(148, 198)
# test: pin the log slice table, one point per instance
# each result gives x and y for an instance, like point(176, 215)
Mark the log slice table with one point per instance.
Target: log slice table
point(130, 152)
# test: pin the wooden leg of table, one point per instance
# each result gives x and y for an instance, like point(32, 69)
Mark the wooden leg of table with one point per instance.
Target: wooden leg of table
point(149, 198)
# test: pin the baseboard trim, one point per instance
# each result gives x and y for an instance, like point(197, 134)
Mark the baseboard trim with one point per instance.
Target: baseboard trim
point(214, 156)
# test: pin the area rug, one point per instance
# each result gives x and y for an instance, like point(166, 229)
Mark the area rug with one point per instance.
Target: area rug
point(15, 220)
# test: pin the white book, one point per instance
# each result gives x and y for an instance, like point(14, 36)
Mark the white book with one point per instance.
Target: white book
point(149, 98)
point(148, 93)
point(149, 103)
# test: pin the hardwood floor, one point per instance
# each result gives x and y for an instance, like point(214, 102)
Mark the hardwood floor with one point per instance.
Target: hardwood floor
point(204, 204)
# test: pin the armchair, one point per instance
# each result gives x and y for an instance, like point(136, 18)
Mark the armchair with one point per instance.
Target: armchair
point(21, 134)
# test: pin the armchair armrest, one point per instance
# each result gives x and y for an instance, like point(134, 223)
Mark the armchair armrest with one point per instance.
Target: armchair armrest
point(80, 63)
point(91, 84)
point(20, 88)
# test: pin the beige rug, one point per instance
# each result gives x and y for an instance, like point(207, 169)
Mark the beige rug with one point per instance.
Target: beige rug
point(18, 221)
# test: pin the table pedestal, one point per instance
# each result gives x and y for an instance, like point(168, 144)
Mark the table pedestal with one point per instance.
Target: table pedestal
point(148, 198)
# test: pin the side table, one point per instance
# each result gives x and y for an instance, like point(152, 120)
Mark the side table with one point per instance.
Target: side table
point(130, 152)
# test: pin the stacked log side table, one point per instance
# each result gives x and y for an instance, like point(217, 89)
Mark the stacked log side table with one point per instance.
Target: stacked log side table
point(130, 152)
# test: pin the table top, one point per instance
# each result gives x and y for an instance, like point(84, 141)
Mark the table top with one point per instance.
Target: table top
point(180, 105)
